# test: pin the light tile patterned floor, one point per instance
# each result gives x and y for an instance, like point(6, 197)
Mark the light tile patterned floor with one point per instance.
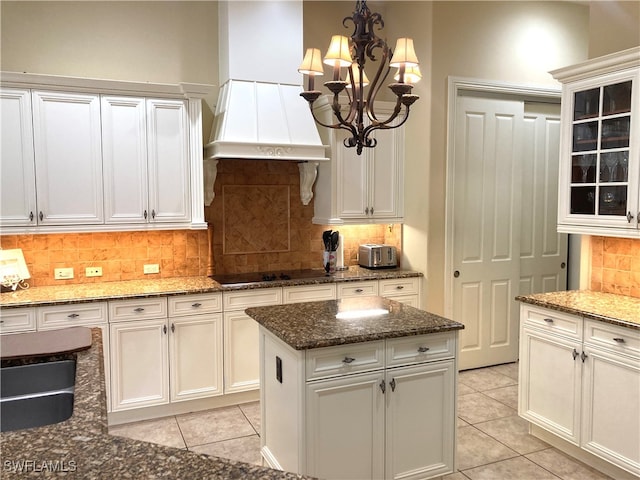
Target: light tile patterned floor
point(493, 442)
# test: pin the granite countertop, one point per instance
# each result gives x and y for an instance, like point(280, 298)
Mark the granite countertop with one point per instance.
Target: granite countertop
point(316, 324)
point(607, 307)
point(81, 446)
point(78, 293)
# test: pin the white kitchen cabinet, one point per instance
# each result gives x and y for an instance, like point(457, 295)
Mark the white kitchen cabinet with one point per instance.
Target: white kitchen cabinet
point(124, 139)
point(346, 443)
point(241, 351)
point(580, 380)
point(168, 161)
point(600, 146)
point(146, 161)
point(18, 181)
point(81, 158)
point(165, 350)
point(92, 314)
point(366, 188)
point(68, 158)
point(612, 371)
point(403, 290)
point(17, 320)
point(365, 288)
point(380, 409)
point(309, 293)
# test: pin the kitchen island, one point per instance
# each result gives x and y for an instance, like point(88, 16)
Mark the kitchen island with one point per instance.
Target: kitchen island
point(357, 388)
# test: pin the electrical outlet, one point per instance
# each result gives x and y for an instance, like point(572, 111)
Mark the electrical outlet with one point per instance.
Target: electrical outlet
point(151, 268)
point(62, 273)
point(93, 271)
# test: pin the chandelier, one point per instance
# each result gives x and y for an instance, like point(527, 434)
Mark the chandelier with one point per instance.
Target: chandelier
point(359, 118)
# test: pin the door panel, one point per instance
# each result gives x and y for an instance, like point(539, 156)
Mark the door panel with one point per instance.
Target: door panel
point(486, 229)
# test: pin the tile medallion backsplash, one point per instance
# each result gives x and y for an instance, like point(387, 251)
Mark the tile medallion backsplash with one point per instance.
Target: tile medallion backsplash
point(615, 265)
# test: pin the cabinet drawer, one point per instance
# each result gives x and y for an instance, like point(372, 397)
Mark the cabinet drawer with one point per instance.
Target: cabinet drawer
point(251, 298)
point(398, 286)
point(552, 321)
point(17, 320)
point(138, 309)
point(420, 348)
point(355, 289)
point(60, 316)
point(621, 339)
point(344, 359)
point(195, 304)
point(309, 293)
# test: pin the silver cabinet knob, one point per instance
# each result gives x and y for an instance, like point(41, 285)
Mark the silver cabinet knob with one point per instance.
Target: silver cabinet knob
point(348, 360)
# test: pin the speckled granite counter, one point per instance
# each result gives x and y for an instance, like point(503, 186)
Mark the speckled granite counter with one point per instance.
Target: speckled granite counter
point(316, 324)
point(77, 293)
point(81, 447)
point(607, 307)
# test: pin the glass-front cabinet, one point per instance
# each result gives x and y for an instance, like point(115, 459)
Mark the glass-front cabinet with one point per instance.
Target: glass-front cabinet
point(600, 146)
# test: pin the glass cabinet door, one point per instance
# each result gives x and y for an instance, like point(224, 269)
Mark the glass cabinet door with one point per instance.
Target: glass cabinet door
point(600, 150)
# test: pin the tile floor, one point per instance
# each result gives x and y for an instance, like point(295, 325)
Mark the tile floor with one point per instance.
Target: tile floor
point(493, 442)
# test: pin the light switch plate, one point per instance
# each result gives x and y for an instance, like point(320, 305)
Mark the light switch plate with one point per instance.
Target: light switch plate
point(151, 268)
point(63, 273)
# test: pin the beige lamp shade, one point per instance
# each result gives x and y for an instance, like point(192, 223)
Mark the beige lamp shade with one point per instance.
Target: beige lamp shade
point(411, 75)
point(339, 53)
point(356, 76)
point(312, 62)
point(404, 54)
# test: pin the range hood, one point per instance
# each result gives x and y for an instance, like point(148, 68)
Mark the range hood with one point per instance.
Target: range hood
point(260, 114)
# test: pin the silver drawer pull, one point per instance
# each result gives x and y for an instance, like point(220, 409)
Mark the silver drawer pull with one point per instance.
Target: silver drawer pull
point(619, 340)
point(548, 320)
point(196, 305)
point(139, 309)
point(348, 360)
point(423, 349)
point(359, 290)
point(399, 287)
point(73, 315)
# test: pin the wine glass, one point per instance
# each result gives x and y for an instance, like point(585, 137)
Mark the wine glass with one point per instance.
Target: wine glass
point(624, 163)
point(610, 161)
point(584, 162)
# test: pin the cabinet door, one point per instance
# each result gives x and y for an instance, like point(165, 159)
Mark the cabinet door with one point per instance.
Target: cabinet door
point(611, 408)
point(600, 176)
point(345, 427)
point(241, 353)
point(195, 352)
point(386, 175)
point(68, 158)
point(124, 143)
point(168, 161)
point(353, 188)
point(139, 364)
point(420, 420)
point(550, 383)
point(17, 182)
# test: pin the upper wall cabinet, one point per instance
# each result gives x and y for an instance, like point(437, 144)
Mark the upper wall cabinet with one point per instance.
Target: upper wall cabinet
point(356, 189)
point(600, 146)
point(100, 161)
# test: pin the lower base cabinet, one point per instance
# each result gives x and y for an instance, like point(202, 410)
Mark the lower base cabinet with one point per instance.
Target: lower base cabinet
point(580, 380)
point(393, 422)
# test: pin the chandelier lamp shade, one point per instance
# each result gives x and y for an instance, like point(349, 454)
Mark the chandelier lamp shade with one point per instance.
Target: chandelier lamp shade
point(347, 57)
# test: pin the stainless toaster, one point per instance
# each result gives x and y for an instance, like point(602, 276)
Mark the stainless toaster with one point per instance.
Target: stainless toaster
point(371, 255)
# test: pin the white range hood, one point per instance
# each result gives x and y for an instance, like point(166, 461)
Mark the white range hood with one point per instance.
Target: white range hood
point(260, 114)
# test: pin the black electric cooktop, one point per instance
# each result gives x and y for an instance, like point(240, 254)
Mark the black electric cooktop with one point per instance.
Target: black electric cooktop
point(255, 277)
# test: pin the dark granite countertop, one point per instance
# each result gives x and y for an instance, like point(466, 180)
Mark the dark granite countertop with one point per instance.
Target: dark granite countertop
point(319, 324)
point(606, 307)
point(81, 447)
point(101, 291)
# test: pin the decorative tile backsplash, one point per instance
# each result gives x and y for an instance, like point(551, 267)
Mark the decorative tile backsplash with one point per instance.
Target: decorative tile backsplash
point(256, 223)
point(615, 265)
point(122, 255)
